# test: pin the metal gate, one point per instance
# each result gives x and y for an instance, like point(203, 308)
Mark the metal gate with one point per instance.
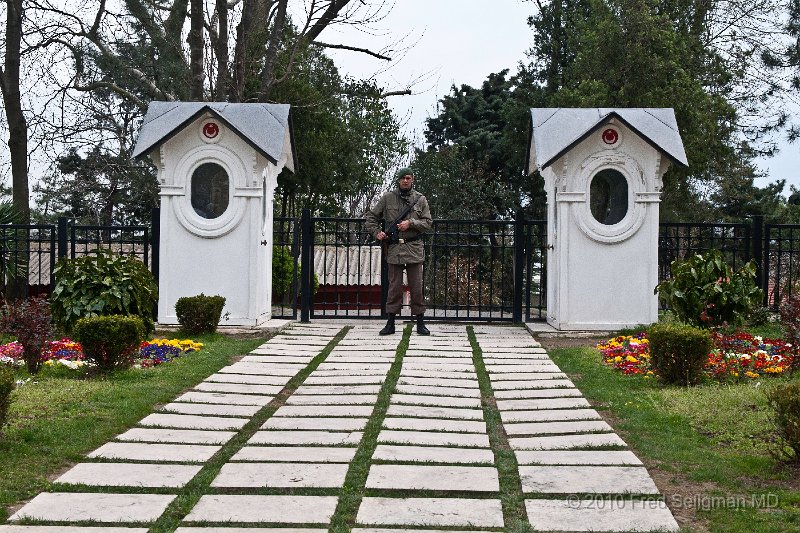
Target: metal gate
point(474, 270)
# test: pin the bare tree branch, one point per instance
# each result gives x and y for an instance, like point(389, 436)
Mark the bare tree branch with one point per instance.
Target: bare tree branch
point(354, 49)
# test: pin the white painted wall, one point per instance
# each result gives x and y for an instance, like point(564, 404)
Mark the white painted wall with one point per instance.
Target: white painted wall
point(230, 255)
point(600, 276)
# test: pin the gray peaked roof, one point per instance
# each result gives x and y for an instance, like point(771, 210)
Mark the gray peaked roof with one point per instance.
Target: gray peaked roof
point(554, 131)
point(262, 126)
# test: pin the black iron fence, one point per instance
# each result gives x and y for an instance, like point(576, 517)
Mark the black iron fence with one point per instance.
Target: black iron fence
point(31, 251)
point(474, 270)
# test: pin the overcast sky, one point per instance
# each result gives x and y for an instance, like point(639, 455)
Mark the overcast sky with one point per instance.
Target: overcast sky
point(462, 42)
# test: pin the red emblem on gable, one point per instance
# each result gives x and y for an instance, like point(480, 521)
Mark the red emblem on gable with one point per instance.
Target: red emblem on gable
point(610, 136)
point(210, 130)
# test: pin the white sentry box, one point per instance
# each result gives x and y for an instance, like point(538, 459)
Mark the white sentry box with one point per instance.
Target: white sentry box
point(603, 172)
point(218, 165)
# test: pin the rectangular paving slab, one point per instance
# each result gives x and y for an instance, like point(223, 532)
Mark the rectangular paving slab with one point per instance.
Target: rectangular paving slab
point(351, 372)
point(468, 374)
point(409, 366)
point(239, 388)
point(456, 512)
point(577, 457)
point(249, 530)
point(251, 379)
point(573, 479)
point(140, 451)
point(70, 529)
point(254, 509)
point(211, 409)
point(301, 359)
point(337, 399)
point(454, 392)
point(553, 428)
point(423, 411)
point(327, 424)
point(520, 376)
point(429, 438)
point(281, 475)
point(435, 424)
point(539, 359)
point(542, 403)
point(78, 506)
point(531, 384)
point(223, 398)
point(380, 530)
point(344, 380)
point(182, 436)
point(549, 415)
point(433, 477)
point(328, 390)
point(129, 475)
point(439, 382)
point(438, 401)
point(566, 442)
point(258, 369)
point(295, 454)
point(192, 421)
point(327, 438)
point(432, 454)
point(324, 410)
point(597, 515)
point(533, 366)
point(524, 394)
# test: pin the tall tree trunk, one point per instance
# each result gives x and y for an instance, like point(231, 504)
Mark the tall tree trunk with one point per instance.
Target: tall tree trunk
point(267, 74)
point(17, 133)
point(223, 75)
point(195, 41)
point(12, 98)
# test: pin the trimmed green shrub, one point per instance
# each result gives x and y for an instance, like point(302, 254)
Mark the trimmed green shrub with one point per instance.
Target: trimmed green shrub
point(102, 284)
point(705, 291)
point(199, 314)
point(111, 342)
point(7, 386)
point(283, 274)
point(785, 402)
point(31, 323)
point(282, 271)
point(679, 352)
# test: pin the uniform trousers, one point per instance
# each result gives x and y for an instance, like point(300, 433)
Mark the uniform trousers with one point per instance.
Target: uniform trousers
point(394, 300)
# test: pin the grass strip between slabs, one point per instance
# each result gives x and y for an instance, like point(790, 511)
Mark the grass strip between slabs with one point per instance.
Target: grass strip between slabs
point(515, 516)
point(344, 518)
point(190, 494)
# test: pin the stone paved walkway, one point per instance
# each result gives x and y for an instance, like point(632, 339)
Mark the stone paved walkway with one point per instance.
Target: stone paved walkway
point(431, 462)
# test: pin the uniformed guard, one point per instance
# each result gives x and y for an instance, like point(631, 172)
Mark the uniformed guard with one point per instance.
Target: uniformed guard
point(398, 221)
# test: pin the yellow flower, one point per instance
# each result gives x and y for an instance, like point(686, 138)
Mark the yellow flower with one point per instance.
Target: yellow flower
point(618, 359)
point(751, 374)
point(631, 359)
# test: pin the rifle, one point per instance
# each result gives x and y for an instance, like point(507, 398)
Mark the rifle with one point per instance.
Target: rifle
point(392, 232)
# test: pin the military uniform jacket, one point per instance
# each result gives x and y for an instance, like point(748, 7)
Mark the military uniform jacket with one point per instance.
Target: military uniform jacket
point(386, 211)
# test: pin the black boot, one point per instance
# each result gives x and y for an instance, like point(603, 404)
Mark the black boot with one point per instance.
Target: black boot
point(421, 329)
point(388, 329)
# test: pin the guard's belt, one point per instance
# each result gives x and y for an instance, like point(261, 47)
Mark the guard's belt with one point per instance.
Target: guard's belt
point(410, 239)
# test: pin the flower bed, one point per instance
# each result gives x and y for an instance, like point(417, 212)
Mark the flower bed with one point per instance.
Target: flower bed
point(158, 351)
point(736, 356)
point(68, 353)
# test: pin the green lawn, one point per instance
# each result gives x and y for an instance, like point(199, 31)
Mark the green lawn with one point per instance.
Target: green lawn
point(707, 447)
point(60, 415)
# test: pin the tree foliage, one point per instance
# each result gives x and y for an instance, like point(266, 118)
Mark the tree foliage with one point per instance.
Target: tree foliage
point(642, 53)
point(479, 137)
